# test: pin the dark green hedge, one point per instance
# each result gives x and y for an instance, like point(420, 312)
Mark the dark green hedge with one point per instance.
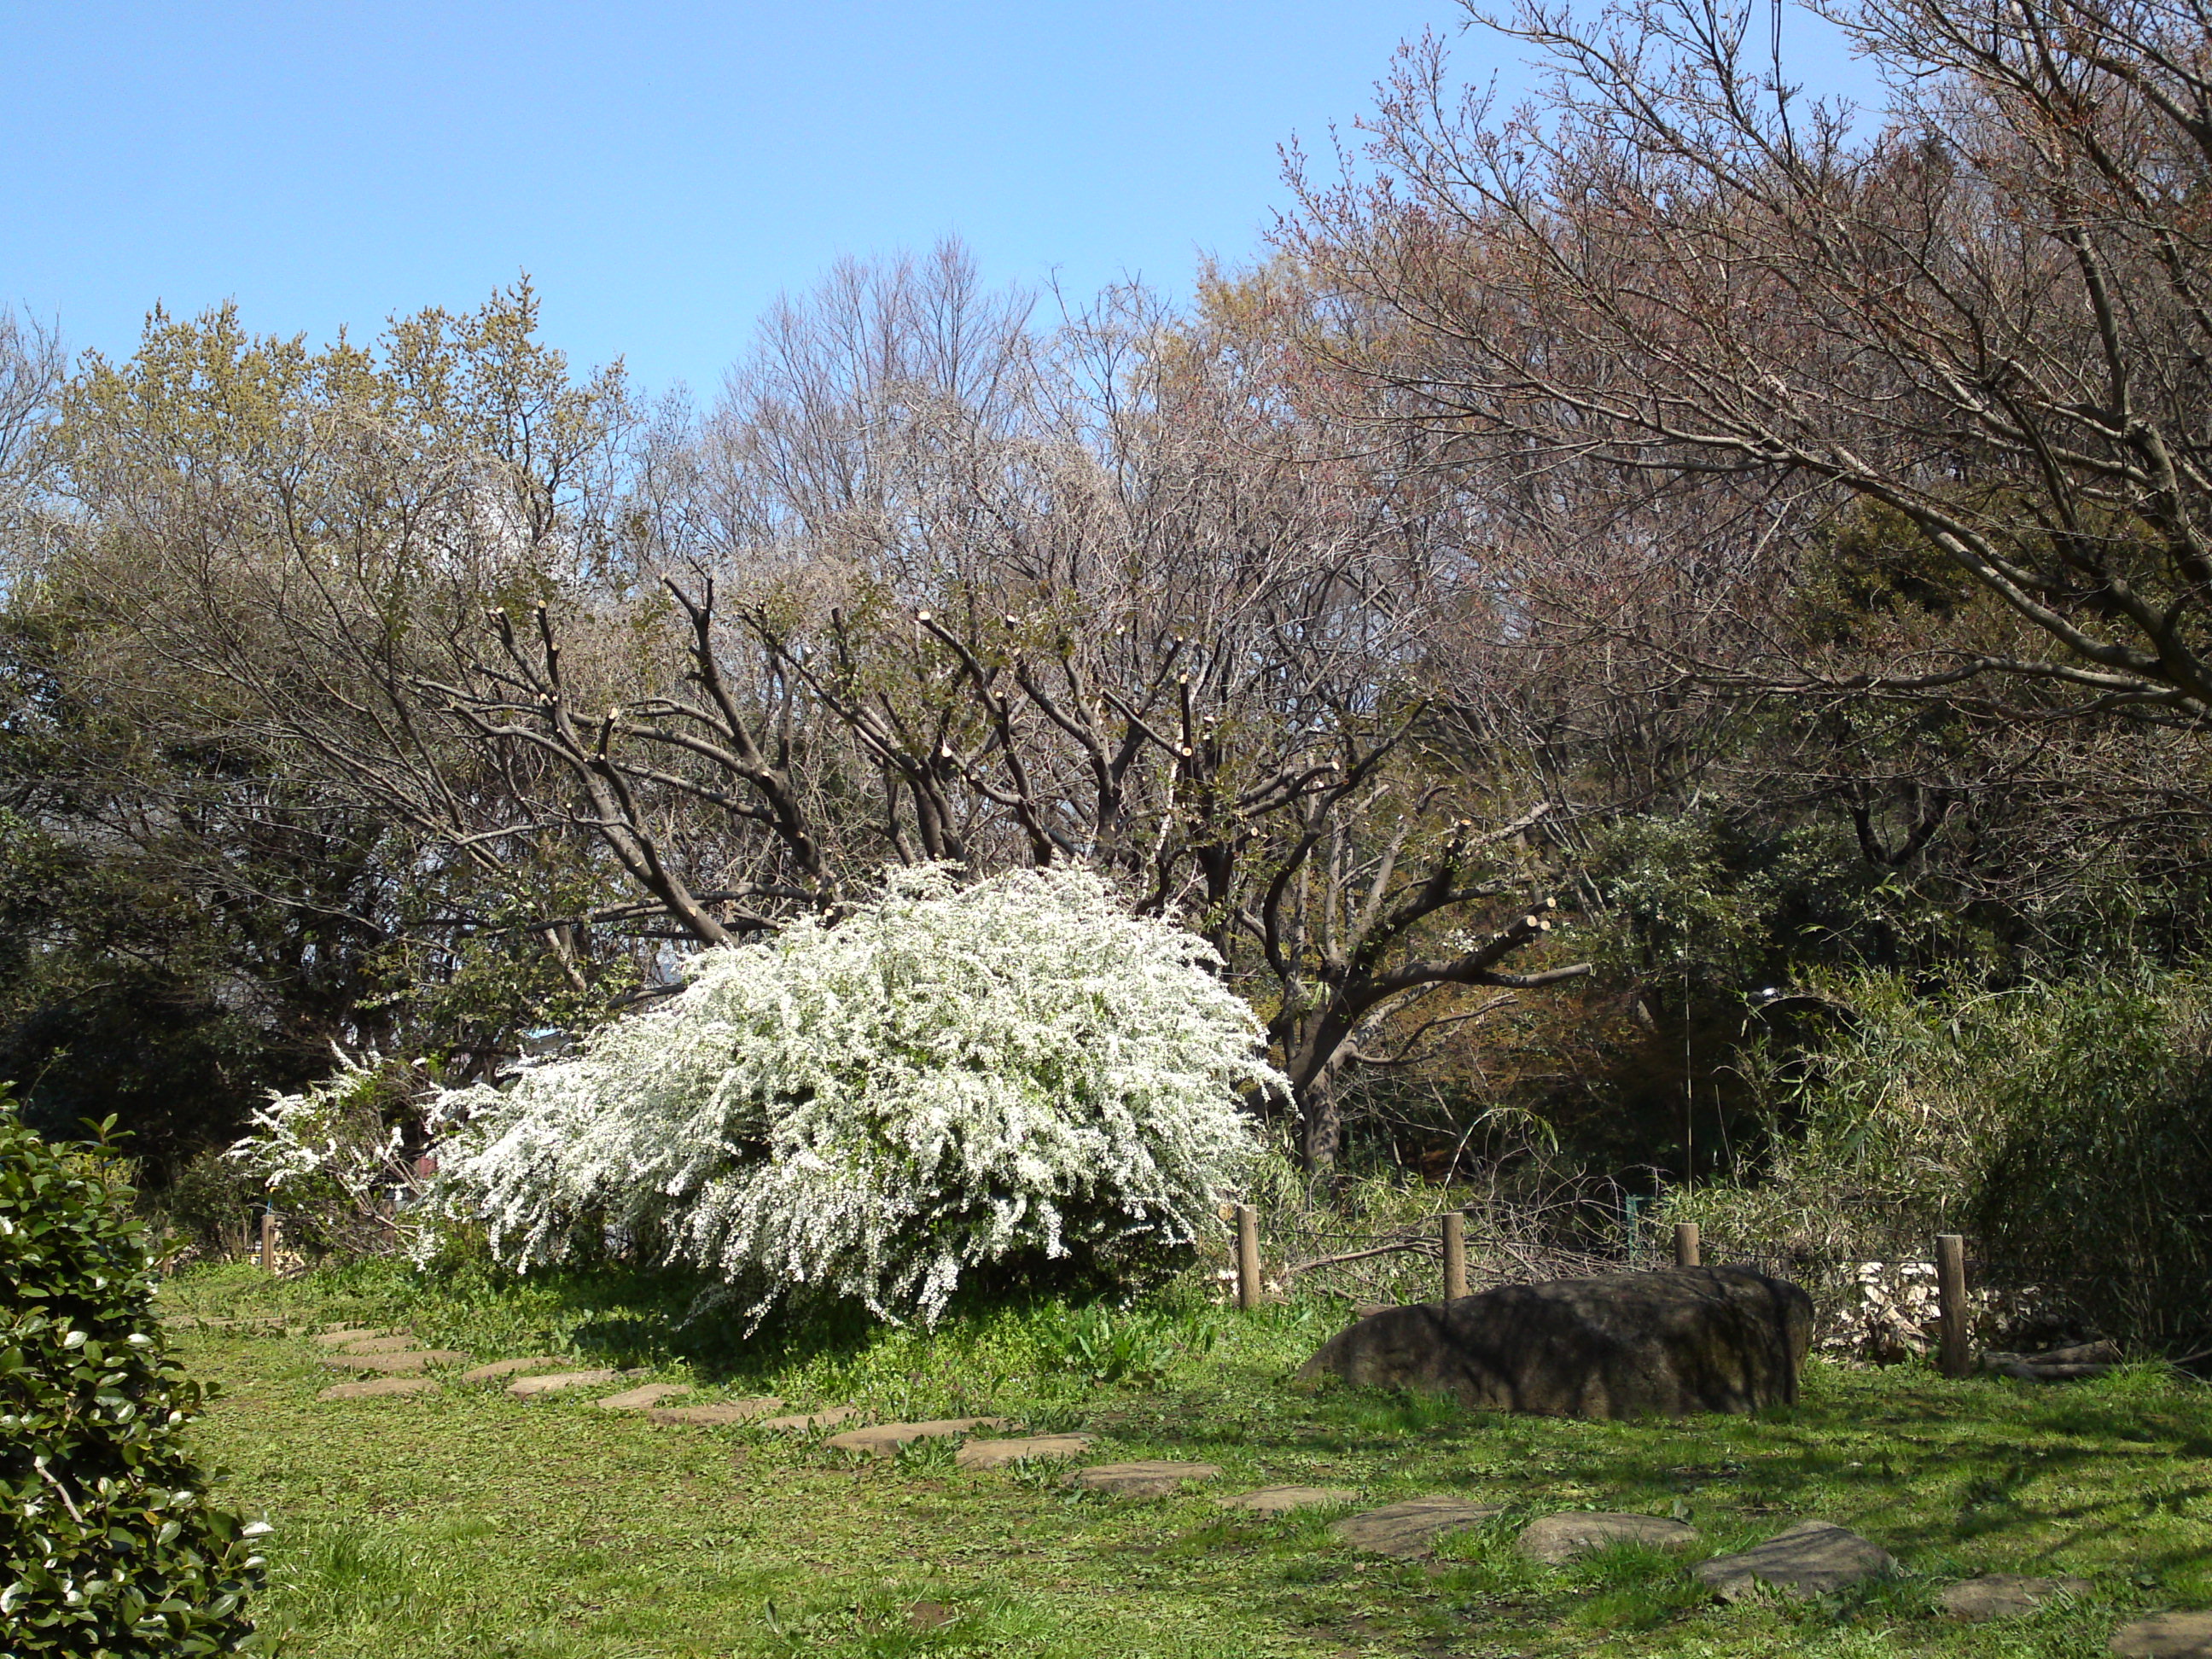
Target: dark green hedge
point(108, 1544)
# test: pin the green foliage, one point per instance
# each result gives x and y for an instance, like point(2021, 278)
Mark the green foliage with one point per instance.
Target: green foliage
point(1109, 1345)
point(205, 1213)
point(467, 1523)
point(2103, 1179)
point(1731, 904)
point(192, 910)
point(108, 1544)
point(2067, 1126)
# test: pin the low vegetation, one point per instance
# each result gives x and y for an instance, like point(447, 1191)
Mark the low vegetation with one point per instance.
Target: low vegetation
point(471, 1523)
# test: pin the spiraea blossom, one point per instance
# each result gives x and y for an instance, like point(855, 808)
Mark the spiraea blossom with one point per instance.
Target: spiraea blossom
point(327, 1144)
point(949, 1078)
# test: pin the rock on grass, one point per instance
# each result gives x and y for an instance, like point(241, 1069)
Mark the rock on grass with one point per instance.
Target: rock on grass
point(1813, 1558)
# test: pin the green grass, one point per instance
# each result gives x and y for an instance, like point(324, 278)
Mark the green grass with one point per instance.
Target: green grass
point(469, 1523)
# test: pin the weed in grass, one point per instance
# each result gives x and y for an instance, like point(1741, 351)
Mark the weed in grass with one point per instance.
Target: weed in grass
point(1040, 1474)
point(1631, 1586)
point(931, 1457)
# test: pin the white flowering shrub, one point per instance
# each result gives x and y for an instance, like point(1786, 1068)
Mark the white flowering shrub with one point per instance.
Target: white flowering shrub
point(950, 1078)
point(330, 1156)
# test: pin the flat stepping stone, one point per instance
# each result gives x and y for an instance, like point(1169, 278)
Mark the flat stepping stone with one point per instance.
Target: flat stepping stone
point(800, 1422)
point(381, 1345)
point(997, 1453)
point(395, 1365)
point(1411, 1529)
point(2005, 1595)
point(500, 1367)
point(1560, 1538)
point(1148, 1478)
point(885, 1438)
point(1282, 1500)
point(713, 1416)
point(1813, 1557)
point(637, 1400)
point(383, 1388)
point(345, 1333)
point(2165, 1636)
point(530, 1387)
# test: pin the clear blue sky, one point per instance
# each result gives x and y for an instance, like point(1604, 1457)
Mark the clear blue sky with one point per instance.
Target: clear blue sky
point(661, 171)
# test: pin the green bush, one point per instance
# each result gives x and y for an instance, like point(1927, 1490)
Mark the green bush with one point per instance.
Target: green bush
point(206, 1213)
point(108, 1544)
point(2065, 1126)
point(2102, 1181)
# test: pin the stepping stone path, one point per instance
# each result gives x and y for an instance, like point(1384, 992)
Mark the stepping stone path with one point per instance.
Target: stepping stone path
point(1282, 1500)
point(1150, 1478)
point(885, 1439)
point(529, 1387)
point(382, 1388)
point(411, 1363)
point(2006, 1594)
point(2165, 1636)
point(1560, 1538)
point(397, 1357)
point(1810, 1559)
point(500, 1367)
point(1410, 1529)
point(997, 1453)
point(801, 1422)
point(707, 1417)
point(1807, 1559)
point(637, 1400)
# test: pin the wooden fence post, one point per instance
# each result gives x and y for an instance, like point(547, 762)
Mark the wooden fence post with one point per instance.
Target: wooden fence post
point(1951, 1303)
point(268, 1241)
point(1247, 1256)
point(1454, 1255)
point(1686, 1244)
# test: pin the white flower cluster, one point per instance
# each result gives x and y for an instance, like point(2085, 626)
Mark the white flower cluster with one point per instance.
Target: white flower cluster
point(948, 1078)
point(327, 1143)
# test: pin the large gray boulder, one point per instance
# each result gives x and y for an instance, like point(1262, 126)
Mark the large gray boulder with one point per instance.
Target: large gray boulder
point(1625, 1345)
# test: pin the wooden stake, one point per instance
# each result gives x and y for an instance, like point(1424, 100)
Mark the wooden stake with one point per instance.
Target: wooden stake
point(1951, 1303)
point(268, 1241)
point(1454, 1255)
point(1686, 1244)
point(1247, 1256)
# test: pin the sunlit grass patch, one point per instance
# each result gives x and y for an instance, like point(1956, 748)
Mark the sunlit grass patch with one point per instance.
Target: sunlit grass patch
point(468, 1524)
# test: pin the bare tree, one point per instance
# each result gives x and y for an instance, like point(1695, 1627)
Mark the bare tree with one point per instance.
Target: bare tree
point(1116, 603)
point(1985, 316)
point(931, 585)
point(31, 373)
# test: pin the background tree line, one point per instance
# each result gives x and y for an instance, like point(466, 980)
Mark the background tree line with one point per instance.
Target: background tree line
point(1768, 538)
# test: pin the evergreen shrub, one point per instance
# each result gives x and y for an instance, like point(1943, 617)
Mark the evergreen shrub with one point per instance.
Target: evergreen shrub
point(1018, 1074)
point(108, 1543)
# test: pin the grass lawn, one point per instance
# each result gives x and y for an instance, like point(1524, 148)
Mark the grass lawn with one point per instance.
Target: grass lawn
point(470, 1523)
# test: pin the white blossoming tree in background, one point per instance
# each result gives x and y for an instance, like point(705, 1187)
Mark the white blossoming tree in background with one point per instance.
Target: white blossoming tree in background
point(331, 1157)
point(948, 1079)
